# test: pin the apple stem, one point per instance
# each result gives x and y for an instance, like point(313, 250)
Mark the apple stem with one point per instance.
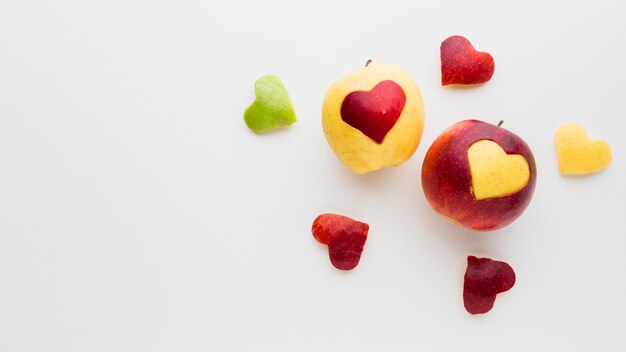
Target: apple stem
point(368, 62)
point(500, 123)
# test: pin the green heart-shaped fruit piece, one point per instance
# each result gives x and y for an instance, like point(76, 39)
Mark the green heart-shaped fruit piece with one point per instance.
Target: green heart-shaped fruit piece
point(272, 107)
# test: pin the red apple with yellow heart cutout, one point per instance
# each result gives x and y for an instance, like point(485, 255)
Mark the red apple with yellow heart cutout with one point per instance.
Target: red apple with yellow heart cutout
point(373, 118)
point(479, 175)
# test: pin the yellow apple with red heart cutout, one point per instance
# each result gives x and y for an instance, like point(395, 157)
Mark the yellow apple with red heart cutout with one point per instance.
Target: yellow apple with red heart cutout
point(373, 118)
point(577, 153)
point(479, 175)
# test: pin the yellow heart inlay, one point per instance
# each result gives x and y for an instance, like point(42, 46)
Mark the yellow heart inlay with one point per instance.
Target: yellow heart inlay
point(577, 153)
point(494, 172)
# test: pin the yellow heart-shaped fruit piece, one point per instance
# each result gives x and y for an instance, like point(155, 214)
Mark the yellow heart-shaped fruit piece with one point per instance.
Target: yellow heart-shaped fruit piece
point(494, 172)
point(578, 154)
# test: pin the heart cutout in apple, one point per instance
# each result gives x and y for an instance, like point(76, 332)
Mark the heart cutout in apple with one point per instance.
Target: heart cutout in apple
point(494, 172)
point(578, 154)
point(462, 64)
point(374, 112)
point(484, 279)
point(345, 238)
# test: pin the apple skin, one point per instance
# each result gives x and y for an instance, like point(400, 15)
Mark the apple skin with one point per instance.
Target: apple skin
point(376, 112)
point(462, 64)
point(484, 279)
point(446, 177)
point(577, 153)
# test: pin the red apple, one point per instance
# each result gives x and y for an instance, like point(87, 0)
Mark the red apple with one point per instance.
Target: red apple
point(479, 175)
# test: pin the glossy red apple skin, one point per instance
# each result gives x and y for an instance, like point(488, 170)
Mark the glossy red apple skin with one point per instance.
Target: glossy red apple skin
point(446, 177)
point(374, 113)
point(345, 238)
point(484, 279)
point(462, 64)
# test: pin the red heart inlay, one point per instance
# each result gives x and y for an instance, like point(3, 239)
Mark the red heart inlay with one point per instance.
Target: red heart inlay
point(484, 279)
point(462, 64)
point(345, 238)
point(374, 113)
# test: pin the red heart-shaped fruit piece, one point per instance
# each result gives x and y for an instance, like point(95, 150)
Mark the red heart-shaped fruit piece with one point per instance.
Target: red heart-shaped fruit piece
point(484, 279)
point(345, 238)
point(462, 64)
point(374, 113)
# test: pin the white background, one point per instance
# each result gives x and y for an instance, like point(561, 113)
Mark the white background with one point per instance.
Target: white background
point(138, 213)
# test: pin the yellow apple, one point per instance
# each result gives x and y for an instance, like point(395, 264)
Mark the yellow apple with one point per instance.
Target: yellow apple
point(373, 118)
